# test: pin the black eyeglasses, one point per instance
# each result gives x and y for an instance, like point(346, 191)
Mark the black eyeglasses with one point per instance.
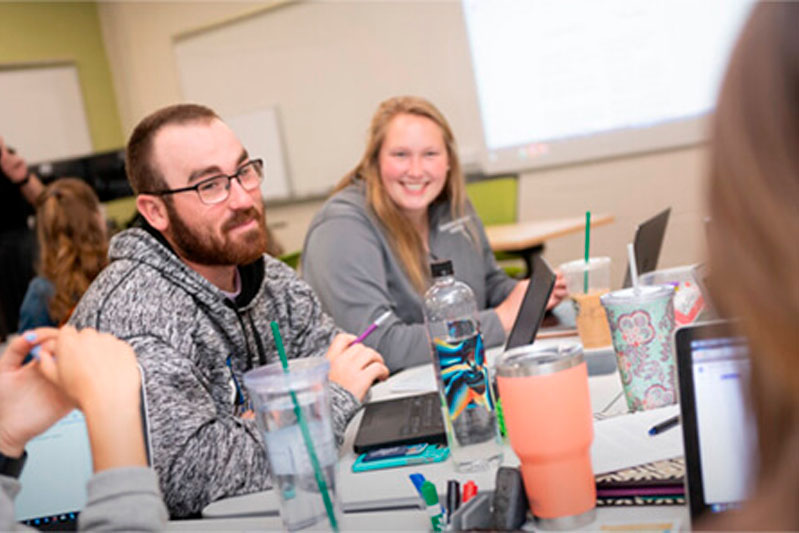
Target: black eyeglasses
point(216, 189)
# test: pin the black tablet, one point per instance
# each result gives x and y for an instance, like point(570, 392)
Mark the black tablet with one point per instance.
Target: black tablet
point(534, 305)
point(719, 433)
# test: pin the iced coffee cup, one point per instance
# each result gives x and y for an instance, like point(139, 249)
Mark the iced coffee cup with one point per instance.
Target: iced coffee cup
point(642, 323)
point(293, 414)
point(586, 282)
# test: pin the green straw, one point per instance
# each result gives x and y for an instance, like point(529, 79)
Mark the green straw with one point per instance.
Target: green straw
point(587, 247)
point(306, 435)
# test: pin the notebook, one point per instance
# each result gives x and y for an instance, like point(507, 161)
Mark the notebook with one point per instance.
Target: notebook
point(58, 467)
point(647, 244)
point(719, 433)
point(409, 420)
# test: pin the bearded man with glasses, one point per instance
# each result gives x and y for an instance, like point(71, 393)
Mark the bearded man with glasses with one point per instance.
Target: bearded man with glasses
point(193, 292)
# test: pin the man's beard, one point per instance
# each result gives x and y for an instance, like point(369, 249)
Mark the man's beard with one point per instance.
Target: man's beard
point(211, 250)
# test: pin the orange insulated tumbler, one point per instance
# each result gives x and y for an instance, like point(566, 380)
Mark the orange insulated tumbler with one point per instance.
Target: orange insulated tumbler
point(547, 412)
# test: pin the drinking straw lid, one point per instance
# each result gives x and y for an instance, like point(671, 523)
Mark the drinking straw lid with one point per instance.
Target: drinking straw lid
point(587, 248)
point(633, 267)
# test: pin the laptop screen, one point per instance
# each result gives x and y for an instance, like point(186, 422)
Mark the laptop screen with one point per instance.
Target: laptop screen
point(720, 435)
point(54, 478)
point(721, 372)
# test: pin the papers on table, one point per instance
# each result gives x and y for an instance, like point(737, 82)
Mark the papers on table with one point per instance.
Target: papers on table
point(417, 379)
point(624, 441)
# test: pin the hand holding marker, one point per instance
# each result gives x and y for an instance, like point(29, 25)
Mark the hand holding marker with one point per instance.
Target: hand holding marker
point(373, 326)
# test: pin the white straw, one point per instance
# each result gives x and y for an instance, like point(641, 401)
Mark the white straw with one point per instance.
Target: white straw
point(633, 266)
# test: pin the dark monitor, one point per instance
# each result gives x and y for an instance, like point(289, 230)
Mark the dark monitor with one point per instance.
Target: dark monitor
point(104, 172)
point(534, 305)
point(647, 244)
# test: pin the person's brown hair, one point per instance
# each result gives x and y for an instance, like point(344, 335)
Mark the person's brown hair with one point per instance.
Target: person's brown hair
point(142, 174)
point(72, 242)
point(754, 233)
point(405, 240)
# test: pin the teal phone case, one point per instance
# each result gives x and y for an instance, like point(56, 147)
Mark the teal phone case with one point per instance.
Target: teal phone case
point(430, 454)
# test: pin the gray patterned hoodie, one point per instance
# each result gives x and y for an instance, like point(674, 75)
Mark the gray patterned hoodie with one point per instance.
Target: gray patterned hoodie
point(194, 344)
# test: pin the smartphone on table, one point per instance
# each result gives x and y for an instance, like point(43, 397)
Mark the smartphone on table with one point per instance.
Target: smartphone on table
point(395, 456)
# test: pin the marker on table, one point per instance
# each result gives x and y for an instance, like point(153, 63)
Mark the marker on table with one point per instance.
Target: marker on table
point(665, 425)
point(433, 508)
point(469, 491)
point(362, 337)
point(418, 480)
point(453, 498)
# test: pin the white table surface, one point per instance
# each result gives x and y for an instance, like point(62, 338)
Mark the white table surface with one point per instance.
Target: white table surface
point(385, 500)
point(417, 520)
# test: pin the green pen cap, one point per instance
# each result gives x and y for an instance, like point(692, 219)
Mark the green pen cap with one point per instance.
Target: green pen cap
point(429, 493)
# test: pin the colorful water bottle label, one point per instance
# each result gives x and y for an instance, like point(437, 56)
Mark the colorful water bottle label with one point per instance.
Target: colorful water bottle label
point(464, 374)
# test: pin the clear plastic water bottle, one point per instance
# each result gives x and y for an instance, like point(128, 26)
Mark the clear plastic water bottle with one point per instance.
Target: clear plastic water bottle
point(467, 400)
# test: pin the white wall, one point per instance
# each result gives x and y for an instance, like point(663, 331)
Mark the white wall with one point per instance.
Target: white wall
point(328, 80)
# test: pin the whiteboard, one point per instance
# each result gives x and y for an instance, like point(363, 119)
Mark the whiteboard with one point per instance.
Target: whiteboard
point(42, 113)
point(561, 82)
point(325, 66)
point(259, 132)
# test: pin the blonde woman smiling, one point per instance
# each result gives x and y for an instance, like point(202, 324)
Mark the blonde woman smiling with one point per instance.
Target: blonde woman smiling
point(368, 250)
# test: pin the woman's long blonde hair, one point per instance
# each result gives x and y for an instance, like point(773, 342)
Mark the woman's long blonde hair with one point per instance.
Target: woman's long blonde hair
point(72, 242)
point(754, 234)
point(405, 240)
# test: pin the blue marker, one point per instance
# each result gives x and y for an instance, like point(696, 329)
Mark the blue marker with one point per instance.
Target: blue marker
point(418, 480)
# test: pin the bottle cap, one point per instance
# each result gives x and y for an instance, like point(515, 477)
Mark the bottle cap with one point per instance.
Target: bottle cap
point(441, 268)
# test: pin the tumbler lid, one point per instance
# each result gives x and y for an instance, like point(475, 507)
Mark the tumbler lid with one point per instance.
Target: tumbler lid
point(532, 361)
point(644, 293)
point(303, 373)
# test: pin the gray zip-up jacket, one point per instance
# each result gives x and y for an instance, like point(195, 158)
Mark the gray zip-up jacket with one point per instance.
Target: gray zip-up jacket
point(349, 261)
point(194, 345)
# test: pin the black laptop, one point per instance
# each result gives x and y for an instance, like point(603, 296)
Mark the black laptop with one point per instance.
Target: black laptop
point(416, 419)
point(647, 244)
point(719, 431)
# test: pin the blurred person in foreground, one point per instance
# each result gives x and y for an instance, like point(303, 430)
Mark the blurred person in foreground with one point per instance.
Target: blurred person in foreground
point(754, 247)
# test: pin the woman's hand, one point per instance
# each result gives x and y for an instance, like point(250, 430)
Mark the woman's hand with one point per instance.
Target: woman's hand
point(98, 373)
point(29, 403)
point(510, 306)
point(92, 369)
point(559, 292)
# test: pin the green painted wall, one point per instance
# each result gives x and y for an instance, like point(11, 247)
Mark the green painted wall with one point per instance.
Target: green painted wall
point(66, 31)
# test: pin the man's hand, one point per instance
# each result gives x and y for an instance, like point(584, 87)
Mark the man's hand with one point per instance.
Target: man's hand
point(11, 164)
point(354, 367)
point(29, 403)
